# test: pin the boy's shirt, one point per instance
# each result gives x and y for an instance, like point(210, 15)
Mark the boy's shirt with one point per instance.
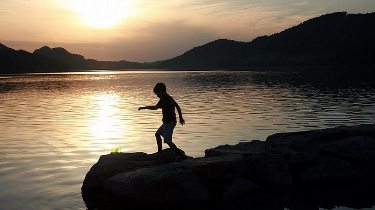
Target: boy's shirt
point(167, 104)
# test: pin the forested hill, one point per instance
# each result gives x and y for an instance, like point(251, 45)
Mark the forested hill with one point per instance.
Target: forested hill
point(78, 62)
point(17, 61)
point(48, 59)
point(335, 39)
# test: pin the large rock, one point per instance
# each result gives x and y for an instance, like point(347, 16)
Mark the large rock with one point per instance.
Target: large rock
point(334, 169)
point(112, 164)
point(270, 169)
point(217, 173)
point(239, 186)
point(296, 149)
point(322, 137)
point(359, 149)
point(349, 158)
point(241, 148)
point(166, 183)
point(335, 154)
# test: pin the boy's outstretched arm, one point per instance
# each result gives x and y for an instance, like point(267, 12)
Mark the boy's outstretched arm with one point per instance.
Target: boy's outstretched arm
point(182, 121)
point(148, 107)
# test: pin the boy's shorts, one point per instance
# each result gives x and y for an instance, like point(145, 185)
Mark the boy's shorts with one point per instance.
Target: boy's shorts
point(166, 131)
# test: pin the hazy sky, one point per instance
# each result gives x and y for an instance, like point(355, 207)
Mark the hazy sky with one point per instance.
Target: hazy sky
point(151, 30)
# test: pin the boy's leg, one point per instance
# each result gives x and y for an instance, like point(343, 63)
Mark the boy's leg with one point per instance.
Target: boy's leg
point(176, 150)
point(172, 146)
point(159, 143)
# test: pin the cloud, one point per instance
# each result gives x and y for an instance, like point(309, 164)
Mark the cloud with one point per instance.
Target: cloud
point(302, 3)
point(238, 19)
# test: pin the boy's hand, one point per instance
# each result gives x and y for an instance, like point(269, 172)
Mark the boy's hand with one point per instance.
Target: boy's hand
point(140, 108)
point(182, 121)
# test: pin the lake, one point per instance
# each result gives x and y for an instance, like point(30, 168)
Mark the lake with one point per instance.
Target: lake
point(54, 127)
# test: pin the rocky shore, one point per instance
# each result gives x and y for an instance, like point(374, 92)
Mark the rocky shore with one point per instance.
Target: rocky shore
point(320, 164)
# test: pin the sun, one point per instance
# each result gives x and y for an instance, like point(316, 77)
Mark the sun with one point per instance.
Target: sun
point(101, 13)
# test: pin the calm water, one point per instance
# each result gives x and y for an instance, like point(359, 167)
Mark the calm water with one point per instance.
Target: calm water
point(54, 127)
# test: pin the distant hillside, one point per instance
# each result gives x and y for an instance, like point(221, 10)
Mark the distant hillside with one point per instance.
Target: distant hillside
point(329, 40)
point(19, 61)
point(74, 61)
point(78, 62)
point(48, 59)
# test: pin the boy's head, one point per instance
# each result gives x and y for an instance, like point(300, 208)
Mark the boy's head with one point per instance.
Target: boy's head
point(160, 89)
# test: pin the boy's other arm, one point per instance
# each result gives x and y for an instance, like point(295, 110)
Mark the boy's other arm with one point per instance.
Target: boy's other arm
point(182, 121)
point(148, 107)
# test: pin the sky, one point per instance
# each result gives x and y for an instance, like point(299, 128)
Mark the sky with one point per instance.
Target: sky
point(152, 30)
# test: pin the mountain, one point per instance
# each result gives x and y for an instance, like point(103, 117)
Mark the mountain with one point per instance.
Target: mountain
point(78, 62)
point(3, 47)
point(58, 59)
point(19, 61)
point(335, 39)
point(74, 61)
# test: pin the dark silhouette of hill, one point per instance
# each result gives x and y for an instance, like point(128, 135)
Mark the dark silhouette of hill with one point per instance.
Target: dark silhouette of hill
point(78, 62)
point(335, 39)
point(19, 61)
point(58, 59)
point(74, 61)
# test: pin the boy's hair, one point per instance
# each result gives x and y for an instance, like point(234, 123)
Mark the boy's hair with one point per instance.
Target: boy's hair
point(160, 86)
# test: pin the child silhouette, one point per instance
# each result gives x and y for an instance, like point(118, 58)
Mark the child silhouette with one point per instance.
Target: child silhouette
point(168, 105)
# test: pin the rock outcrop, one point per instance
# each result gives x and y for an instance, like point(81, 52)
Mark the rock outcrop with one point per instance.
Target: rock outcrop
point(336, 155)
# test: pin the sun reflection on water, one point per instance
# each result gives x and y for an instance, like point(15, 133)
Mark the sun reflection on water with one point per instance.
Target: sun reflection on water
point(106, 127)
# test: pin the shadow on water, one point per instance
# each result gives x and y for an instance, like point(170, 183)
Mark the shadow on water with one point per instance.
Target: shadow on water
point(351, 195)
point(319, 79)
point(305, 81)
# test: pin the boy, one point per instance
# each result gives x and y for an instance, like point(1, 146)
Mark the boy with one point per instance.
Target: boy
point(168, 105)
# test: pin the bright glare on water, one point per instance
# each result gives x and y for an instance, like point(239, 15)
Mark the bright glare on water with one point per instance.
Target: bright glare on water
point(54, 127)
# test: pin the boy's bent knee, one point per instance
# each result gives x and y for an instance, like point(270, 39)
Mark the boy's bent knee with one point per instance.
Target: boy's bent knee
point(172, 145)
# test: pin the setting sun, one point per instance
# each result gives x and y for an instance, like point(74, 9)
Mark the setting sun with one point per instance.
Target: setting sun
point(101, 14)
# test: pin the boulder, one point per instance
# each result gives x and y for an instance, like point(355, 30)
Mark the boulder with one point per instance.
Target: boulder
point(240, 186)
point(217, 173)
point(359, 149)
point(297, 150)
point(326, 136)
point(216, 168)
point(112, 164)
point(333, 154)
point(340, 154)
point(158, 184)
point(254, 146)
point(269, 169)
point(334, 169)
